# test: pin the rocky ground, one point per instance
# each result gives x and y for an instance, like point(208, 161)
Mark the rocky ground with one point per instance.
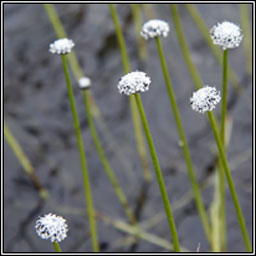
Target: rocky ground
point(36, 109)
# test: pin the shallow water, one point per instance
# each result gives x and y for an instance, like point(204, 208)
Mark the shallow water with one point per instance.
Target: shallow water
point(36, 109)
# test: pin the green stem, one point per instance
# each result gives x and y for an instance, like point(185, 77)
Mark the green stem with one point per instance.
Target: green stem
point(222, 209)
point(247, 39)
point(146, 236)
point(105, 163)
point(120, 38)
point(184, 48)
point(230, 182)
point(148, 11)
point(221, 233)
point(135, 115)
point(195, 186)
point(158, 172)
point(224, 95)
point(90, 208)
point(24, 161)
point(56, 247)
point(141, 147)
point(137, 20)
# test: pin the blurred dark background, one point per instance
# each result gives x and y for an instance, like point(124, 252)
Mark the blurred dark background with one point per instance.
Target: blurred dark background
point(36, 109)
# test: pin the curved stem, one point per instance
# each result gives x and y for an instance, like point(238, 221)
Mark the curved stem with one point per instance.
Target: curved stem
point(158, 172)
point(24, 161)
point(230, 182)
point(195, 186)
point(86, 179)
point(146, 236)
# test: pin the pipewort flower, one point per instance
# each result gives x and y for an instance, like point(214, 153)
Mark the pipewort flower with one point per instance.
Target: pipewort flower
point(226, 34)
point(84, 83)
point(155, 28)
point(52, 227)
point(61, 46)
point(134, 82)
point(205, 99)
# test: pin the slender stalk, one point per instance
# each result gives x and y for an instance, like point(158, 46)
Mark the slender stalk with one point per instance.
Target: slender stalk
point(247, 39)
point(184, 47)
point(222, 207)
point(148, 11)
point(135, 116)
point(24, 161)
point(219, 234)
point(137, 20)
point(222, 210)
point(141, 147)
point(14, 144)
point(56, 247)
point(230, 182)
point(204, 30)
point(120, 38)
point(187, 157)
point(85, 173)
point(214, 212)
point(224, 95)
point(158, 172)
point(132, 230)
point(105, 163)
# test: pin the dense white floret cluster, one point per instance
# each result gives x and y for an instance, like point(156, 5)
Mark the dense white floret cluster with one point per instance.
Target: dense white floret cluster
point(134, 82)
point(52, 227)
point(226, 34)
point(205, 99)
point(155, 28)
point(61, 46)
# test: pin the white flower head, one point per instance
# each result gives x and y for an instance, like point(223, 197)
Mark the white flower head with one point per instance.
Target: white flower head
point(84, 83)
point(61, 46)
point(52, 227)
point(205, 99)
point(134, 82)
point(226, 34)
point(155, 28)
